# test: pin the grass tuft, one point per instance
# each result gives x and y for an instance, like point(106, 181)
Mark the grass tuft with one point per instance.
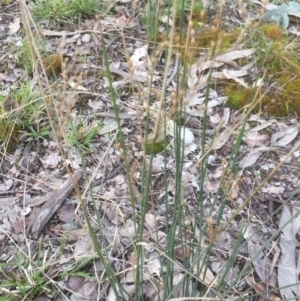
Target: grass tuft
point(65, 12)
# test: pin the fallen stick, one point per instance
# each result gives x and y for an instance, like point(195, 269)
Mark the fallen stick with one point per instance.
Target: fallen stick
point(55, 200)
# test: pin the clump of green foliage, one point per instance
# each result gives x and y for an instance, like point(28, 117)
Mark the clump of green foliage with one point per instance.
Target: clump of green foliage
point(65, 12)
point(24, 55)
point(81, 135)
point(5, 2)
point(22, 114)
point(199, 14)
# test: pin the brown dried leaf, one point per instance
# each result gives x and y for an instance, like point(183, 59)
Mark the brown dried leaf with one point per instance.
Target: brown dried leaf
point(288, 136)
point(263, 125)
point(262, 264)
point(15, 26)
point(150, 221)
point(288, 269)
point(255, 139)
point(220, 140)
point(260, 288)
point(74, 283)
point(67, 213)
point(154, 266)
point(151, 290)
point(19, 226)
point(206, 275)
point(87, 291)
point(253, 156)
point(234, 54)
point(182, 253)
point(211, 186)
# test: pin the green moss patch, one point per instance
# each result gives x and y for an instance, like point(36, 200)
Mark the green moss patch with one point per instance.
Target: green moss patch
point(157, 148)
point(278, 101)
point(272, 31)
point(279, 57)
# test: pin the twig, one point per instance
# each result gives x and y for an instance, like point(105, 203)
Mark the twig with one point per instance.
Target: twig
point(174, 70)
point(55, 200)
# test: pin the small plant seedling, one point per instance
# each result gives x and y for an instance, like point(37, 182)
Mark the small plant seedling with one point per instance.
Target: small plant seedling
point(22, 112)
point(23, 284)
point(81, 135)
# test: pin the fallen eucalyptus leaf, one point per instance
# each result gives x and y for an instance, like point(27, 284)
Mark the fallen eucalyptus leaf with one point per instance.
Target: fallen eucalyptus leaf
point(280, 14)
